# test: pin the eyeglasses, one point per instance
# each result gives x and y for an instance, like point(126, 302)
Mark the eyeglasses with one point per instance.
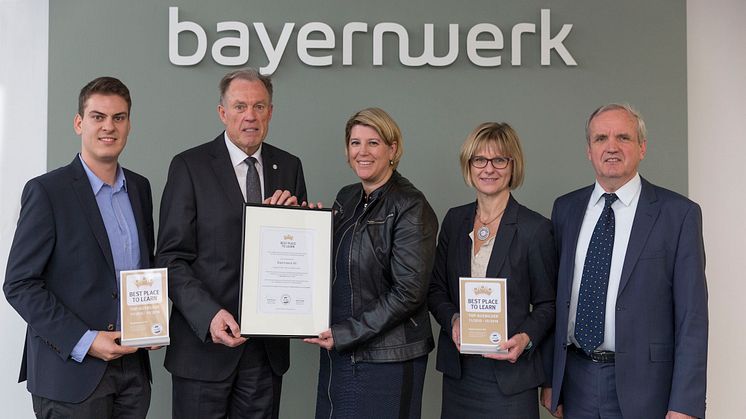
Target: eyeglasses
point(497, 162)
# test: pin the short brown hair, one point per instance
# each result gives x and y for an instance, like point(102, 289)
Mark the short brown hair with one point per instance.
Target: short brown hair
point(384, 125)
point(504, 138)
point(248, 74)
point(103, 86)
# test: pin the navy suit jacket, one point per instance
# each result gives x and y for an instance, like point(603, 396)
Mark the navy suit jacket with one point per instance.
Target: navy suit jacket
point(524, 253)
point(661, 308)
point(61, 277)
point(199, 240)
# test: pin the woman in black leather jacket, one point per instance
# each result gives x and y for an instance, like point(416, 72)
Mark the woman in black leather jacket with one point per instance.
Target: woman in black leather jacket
point(374, 356)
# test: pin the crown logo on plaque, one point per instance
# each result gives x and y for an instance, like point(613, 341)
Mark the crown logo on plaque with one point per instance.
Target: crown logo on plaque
point(143, 281)
point(482, 290)
point(287, 237)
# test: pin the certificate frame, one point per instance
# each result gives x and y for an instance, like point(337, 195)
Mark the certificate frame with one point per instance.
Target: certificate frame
point(286, 271)
point(483, 318)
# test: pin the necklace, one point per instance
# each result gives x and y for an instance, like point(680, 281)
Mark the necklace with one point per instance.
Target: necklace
point(484, 231)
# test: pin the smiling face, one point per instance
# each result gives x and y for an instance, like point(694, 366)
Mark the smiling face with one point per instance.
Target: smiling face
point(369, 156)
point(488, 180)
point(614, 149)
point(246, 111)
point(103, 129)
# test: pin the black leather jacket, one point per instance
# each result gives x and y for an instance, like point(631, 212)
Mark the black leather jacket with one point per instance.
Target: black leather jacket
point(391, 259)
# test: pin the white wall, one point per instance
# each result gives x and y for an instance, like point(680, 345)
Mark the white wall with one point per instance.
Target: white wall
point(717, 146)
point(24, 28)
point(717, 111)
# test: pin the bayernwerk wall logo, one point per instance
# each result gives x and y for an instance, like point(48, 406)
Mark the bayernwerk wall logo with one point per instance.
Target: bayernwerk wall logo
point(316, 41)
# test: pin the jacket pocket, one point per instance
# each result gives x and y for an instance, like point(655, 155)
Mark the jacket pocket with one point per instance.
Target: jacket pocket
point(661, 352)
point(381, 221)
point(379, 232)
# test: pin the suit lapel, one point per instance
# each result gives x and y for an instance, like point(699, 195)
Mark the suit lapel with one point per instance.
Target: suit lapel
point(647, 212)
point(503, 239)
point(133, 192)
point(463, 242)
point(87, 200)
point(574, 222)
point(269, 170)
point(224, 173)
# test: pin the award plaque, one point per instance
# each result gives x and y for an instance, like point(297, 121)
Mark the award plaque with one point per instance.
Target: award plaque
point(483, 315)
point(144, 307)
point(285, 271)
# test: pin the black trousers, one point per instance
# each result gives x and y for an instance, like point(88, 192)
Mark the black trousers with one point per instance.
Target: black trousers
point(251, 391)
point(123, 393)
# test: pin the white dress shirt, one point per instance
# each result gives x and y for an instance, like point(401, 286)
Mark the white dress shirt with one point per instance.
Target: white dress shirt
point(238, 158)
point(624, 215)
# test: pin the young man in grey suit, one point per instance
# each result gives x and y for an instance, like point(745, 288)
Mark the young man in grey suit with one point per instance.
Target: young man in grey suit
point(80, 225)
point(631, 327)
point(216, 372)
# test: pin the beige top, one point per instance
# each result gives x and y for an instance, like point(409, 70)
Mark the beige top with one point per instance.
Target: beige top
point(482, 258)
point(478, 262)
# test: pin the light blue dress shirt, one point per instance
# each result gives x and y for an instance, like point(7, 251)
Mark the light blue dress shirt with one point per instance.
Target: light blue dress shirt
point(116, 211)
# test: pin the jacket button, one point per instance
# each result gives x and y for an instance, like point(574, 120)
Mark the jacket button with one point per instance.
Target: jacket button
point(568, 304)
point(110, 327)
point(114, 295)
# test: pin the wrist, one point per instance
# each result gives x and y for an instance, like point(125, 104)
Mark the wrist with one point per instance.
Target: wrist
point(529, 342)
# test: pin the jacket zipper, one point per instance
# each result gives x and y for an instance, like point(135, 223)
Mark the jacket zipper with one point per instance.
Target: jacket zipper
point(349, 268)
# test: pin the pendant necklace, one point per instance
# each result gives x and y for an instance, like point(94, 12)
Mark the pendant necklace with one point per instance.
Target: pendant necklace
point(484, 231)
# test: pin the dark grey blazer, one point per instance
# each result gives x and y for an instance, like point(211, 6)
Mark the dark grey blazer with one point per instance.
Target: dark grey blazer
point(199, 240)
point(523, 253)
point(61, 277)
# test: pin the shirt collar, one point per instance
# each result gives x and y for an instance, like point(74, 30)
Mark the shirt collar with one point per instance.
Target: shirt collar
point(237, 155)
point(625, 194)
point(120, 183)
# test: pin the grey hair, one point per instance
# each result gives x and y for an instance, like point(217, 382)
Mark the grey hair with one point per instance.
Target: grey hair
point(642, 134)
point(248, 74)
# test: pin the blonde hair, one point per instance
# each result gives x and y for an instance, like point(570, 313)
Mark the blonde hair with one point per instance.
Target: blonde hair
point(501, 136)
point(384, 125)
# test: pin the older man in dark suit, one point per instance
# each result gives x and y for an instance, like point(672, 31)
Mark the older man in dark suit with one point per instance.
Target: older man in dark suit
point(216, 372)
point(631, 328)
point(80, 225)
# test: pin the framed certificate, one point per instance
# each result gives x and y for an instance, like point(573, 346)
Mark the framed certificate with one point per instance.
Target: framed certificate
point(143, 307)
point(484, 315)
point(286, 266)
